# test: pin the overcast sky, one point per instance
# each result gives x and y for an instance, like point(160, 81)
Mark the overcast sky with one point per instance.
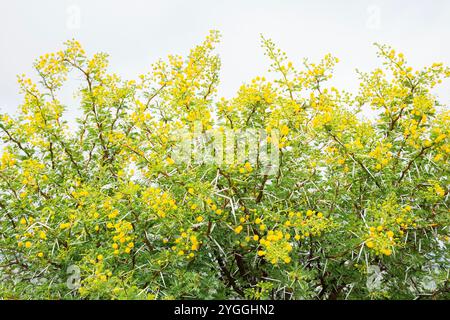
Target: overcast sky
point(136, 33)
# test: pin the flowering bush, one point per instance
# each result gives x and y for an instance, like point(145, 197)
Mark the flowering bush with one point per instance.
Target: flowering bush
point(351, 208)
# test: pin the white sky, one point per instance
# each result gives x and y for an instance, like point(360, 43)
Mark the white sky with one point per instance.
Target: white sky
point(136, 33)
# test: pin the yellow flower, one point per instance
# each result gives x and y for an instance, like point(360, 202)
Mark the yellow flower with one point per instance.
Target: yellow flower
point(440, 138)
point(370, 244)
point(439, 190)
point(40, 254)
point(64, 225)
point(28, 244)
point(113, 214)
point(100, 257)
point(191, 190)
point(284, 130)
point(238, 229)
point(199, 219)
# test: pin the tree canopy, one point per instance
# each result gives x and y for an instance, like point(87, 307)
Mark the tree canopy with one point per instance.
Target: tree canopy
point(356, 208)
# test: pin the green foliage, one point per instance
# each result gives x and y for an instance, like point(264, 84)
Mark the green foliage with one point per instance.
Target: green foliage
point(107, 211)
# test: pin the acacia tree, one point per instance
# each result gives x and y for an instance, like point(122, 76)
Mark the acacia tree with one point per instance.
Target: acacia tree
point(356, 208)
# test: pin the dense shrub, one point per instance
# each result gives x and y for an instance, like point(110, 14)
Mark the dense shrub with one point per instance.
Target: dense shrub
point(351, 207)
